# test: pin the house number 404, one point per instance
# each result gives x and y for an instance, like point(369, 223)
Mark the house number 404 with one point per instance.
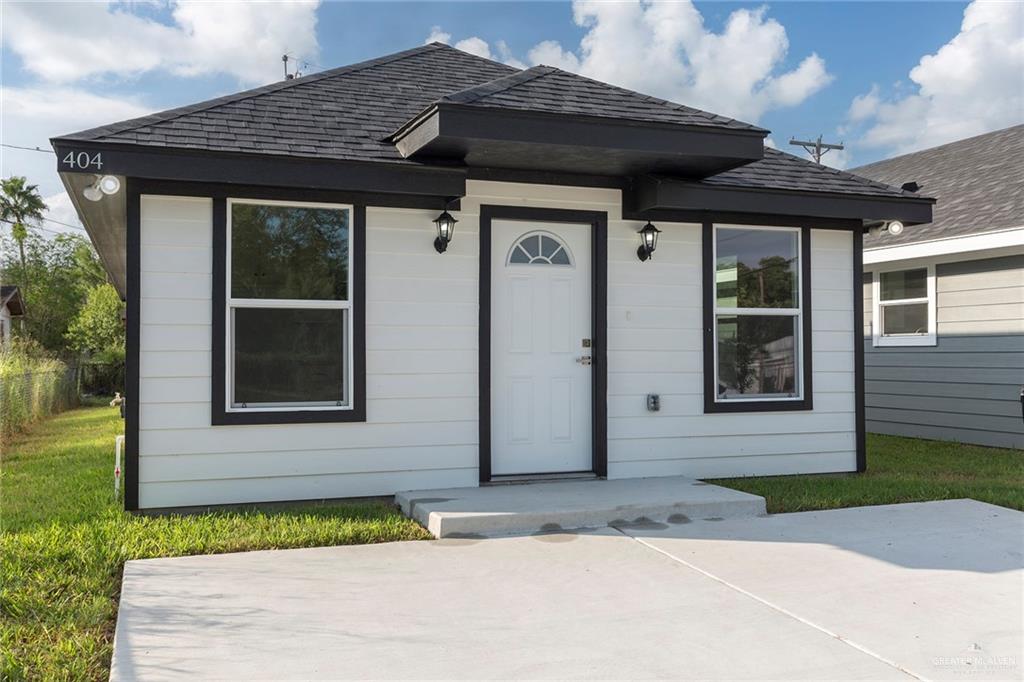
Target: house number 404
point(83, 160)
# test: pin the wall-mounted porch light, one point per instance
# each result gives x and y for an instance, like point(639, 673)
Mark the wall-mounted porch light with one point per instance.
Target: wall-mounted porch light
point(104, 185)
point(445, 230)
point(648, 241)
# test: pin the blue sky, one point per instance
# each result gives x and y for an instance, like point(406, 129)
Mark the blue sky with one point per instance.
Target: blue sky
point(884, 77)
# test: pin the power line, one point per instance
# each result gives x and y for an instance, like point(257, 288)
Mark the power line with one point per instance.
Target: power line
point(28, 149)
point(50, 220)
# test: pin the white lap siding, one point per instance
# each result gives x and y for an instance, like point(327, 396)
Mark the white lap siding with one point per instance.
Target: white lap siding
point(421, 361)
point(421, 428)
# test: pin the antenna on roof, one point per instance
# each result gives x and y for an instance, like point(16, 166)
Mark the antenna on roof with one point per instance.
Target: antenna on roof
point(289, 76)
point(816, 148)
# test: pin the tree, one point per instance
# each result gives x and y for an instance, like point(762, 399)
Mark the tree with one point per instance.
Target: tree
point(98, 328)
point(63, 270)
point(20, 203)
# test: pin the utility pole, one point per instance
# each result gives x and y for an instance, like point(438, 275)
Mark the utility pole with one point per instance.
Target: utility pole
point(815, 148)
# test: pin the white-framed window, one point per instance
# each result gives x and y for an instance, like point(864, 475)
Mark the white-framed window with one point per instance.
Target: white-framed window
point(757, 323)
point(288, 306)
point(903, 306)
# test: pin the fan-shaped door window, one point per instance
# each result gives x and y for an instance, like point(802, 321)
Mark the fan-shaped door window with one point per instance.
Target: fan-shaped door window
point(539, 248)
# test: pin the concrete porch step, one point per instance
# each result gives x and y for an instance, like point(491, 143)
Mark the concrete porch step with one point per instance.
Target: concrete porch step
point(554, 505)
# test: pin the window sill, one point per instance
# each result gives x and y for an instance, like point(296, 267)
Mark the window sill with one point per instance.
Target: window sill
point(922, 340)
point(727, 407)
point(222, 418)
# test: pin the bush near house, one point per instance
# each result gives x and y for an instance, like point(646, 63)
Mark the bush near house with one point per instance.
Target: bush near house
point(64, 540)
point(32, 386)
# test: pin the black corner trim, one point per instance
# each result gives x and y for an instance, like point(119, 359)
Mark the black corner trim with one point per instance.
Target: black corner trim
point(858, 348)
point(133, 248)
point(598, 220)
point(711, 406)
point(219, 416)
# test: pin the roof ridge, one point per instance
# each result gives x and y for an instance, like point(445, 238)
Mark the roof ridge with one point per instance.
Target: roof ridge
point(500, 84)
point(178, 112)
point(942, 146)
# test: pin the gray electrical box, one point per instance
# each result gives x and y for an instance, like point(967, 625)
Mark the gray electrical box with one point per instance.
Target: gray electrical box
point(653, 402)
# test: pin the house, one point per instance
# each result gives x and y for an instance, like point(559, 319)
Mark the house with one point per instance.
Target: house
point(431, 269)
point(944, 303)
point(12, 305)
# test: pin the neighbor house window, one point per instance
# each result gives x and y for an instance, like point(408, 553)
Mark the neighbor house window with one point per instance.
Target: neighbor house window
point(288, 307)
point(757, 332)
point(904, 307)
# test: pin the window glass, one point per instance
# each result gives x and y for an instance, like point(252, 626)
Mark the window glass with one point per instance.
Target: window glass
point(905, 318)
point(289, 355)
point(904, 284)
point(289, 252)
point(757, 356)
point(539, 249)
point(757, 268)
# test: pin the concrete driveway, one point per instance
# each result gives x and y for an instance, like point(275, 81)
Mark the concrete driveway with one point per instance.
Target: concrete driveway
point(927, 591)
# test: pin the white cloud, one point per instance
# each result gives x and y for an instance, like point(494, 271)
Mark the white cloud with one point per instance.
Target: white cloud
point(65, 42)
point(971, 85)
point(474, 45)
point(664, 49)
point(438, 36)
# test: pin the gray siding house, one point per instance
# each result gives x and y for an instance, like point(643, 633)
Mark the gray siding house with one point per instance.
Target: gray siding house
point(944, 302)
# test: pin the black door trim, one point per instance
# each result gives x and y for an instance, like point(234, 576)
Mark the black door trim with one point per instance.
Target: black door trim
point(598, 220)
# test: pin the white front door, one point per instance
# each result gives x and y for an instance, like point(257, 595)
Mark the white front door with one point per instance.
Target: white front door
point(541, 377)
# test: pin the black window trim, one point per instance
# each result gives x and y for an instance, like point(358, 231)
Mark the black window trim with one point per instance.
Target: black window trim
point(711, 405)
point(356, 411)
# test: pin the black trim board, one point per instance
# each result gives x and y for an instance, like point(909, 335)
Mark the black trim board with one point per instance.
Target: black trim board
point(219, 414)
point(858, 349)
point(711, 406)
point(598, 220)
point(133, 247)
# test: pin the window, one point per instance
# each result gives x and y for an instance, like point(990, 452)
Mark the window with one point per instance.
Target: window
point(288, 312)
point(539, 248)
point(904, 307)
point(757, 336)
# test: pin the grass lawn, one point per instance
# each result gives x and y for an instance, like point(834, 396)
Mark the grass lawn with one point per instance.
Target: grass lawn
point(64, 540)
point(900, 470)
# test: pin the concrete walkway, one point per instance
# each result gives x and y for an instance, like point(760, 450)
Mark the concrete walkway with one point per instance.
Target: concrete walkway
point(573, 504)
point(929, 591)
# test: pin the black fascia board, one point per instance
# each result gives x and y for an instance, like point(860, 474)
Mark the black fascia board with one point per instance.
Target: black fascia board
point(452, 125)
point(197, 165)
point(649, 196)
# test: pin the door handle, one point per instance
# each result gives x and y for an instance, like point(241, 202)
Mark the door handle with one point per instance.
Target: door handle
point(585, 360)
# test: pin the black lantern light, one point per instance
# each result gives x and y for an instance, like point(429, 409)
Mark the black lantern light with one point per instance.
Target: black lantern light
point(445, 230)
point(648, 241)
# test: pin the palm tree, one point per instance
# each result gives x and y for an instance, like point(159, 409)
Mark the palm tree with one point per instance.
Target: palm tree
point(19, 204)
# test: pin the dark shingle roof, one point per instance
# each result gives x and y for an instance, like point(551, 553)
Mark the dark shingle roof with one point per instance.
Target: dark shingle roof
point(343, 113)
point(10, 295)
point(779, 170)
point(550, 90)
point(979, 184)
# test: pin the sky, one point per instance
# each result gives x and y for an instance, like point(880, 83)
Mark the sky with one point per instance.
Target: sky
point(884, 78)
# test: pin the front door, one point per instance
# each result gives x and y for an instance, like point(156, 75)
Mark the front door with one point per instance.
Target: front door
point(541, 333)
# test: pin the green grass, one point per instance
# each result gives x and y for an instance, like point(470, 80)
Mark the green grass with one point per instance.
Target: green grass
point(64, 541)
point(900, 470)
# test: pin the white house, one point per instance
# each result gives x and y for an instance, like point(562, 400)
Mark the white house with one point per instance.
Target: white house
point(431, 269)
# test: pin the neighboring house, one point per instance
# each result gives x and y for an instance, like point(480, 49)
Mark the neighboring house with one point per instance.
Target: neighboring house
point(944, 302)
point(11, 306)
point(305, 320)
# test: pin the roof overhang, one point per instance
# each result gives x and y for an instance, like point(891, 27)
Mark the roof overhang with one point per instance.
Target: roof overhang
point(491, 137)
point(14, 303)
point(655, 195)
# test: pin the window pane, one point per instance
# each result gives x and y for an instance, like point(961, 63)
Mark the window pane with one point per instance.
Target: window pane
point(289, 252)
point(904, 284)
point(288, 355)
point(757, 268)
point(756, 356)
point(904, 318)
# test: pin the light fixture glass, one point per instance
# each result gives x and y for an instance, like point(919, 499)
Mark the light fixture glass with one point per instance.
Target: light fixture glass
point(445, 224)
point(92, 193)
point(895, 227)
point(648, 241)
point(109, 184)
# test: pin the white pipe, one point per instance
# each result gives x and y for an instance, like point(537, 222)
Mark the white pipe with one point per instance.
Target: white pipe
point(118, 443)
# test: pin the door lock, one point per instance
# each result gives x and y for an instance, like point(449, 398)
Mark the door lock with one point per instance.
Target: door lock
point(585, 360)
